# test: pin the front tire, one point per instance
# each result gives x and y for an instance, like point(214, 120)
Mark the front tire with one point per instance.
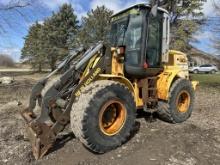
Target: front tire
point(196, 71)
point(180, 104)
point(103, 116)
point(213, 71)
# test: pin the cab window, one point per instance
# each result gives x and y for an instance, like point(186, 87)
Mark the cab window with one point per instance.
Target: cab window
point(154, 40)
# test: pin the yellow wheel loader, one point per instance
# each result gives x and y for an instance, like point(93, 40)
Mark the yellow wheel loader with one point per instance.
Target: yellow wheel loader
point(102, 88)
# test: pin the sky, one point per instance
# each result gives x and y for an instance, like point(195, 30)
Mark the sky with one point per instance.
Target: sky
point(14, 24)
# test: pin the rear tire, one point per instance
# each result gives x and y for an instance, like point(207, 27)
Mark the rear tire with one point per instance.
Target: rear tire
point(90, 110)
point(180, 104)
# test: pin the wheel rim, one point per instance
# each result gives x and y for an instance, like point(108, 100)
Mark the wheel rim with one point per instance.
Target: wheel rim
point(183, 101)
point(112, 117)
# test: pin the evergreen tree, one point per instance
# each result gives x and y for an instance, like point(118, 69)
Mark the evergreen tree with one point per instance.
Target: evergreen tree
point(95, 26)
point(32, 47)
point(183, 9)
point(60, 31)
point(51, 41)
point(186, 17)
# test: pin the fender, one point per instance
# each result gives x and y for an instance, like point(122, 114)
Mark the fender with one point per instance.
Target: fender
point(120, 79)
point(165, 81)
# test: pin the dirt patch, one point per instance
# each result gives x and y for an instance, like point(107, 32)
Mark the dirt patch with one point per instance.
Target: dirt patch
point(197, 141)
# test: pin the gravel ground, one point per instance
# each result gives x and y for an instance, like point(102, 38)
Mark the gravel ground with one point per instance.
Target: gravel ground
point(196, 141)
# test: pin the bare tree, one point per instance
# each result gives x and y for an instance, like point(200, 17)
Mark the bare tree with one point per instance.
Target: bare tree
point(216, 5)
point(13, 4)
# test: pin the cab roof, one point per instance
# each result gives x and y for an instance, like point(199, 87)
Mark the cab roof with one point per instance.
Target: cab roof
point(139, 5)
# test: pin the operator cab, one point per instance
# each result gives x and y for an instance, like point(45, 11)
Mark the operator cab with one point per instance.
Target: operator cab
point(144, 37)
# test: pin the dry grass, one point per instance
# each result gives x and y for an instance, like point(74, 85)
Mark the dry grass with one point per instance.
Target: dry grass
point(208, 80)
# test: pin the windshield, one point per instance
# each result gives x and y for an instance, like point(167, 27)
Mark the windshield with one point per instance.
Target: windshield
point(118, 30)
point(127, 32)
point(126, 28)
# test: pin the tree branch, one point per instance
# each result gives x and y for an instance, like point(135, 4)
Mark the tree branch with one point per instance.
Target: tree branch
point(15, 5)
point(217, 6)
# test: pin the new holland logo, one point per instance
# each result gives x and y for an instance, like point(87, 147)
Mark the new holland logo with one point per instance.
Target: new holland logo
point(88, 81)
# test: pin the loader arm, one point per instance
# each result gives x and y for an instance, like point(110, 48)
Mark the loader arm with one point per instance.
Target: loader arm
point(56, 104)
point(39, 86)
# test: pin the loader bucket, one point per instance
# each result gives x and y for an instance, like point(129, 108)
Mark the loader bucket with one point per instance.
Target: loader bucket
point(39, 134)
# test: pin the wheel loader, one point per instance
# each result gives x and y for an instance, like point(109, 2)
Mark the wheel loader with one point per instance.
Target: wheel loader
point(101, 89)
